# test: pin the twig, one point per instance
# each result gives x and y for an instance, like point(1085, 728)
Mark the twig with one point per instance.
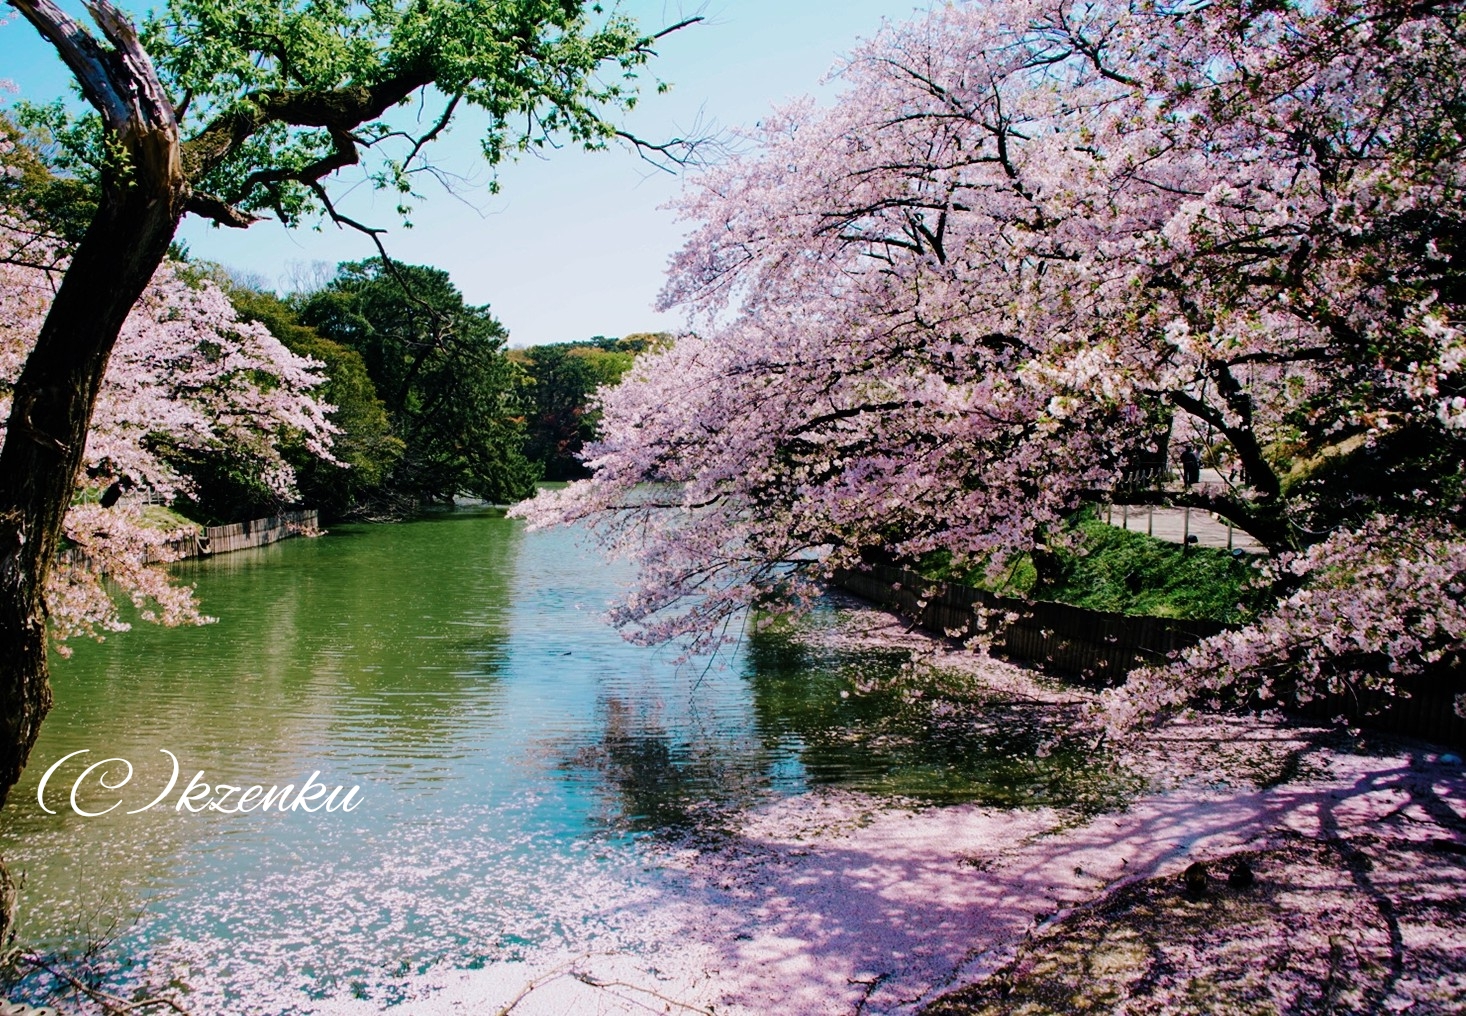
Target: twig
point(584, 978)
point(432, 135)
point(111, 1004)
point(870, 987)
point(568, 969)
point(374, 233)
point(535, 985)
point(684, 23)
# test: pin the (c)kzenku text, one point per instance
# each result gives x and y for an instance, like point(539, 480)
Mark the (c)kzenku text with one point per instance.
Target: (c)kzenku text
point(199, 795)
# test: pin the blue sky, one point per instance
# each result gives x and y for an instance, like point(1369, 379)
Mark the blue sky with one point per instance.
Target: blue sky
point(574, 245)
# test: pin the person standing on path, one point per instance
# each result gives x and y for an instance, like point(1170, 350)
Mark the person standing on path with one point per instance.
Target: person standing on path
point(1190, 466)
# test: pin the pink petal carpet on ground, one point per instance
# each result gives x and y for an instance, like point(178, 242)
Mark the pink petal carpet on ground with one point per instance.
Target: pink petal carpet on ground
point(841, 902)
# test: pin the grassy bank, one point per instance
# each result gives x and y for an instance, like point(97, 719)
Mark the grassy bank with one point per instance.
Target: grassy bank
point(1103, 567)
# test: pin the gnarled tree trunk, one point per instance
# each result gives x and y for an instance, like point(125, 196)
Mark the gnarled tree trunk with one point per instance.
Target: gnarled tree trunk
point(142, 198)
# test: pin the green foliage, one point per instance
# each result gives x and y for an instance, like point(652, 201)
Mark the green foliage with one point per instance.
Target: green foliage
point(564, 379)
point(269, 92)
point(1016, 579)
point(227, 485)
point(31, 186)
point(366, 446)
point(1410, 472)
point(1130, 573)
point(1112, 569)
point(164, 519)
point(453, 397)
point(877, 722)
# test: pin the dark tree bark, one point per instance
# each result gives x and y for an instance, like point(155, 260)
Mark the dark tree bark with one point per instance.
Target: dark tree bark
point(46, 436)
point(142, 198)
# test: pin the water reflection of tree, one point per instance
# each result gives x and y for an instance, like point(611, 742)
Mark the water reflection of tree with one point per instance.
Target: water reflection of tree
point(371, 645)
point(861, 719)
point(384, 633)
point(663, 784)
point(838, 717)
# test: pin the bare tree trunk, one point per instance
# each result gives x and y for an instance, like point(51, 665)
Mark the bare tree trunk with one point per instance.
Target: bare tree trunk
point(142, 199)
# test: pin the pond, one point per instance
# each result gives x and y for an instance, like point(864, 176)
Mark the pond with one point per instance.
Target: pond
point(516, 761)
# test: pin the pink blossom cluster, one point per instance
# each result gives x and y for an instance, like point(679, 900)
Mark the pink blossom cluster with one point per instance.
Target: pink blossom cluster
point(186, 374)
point(1033, 246)
point(1370, 606)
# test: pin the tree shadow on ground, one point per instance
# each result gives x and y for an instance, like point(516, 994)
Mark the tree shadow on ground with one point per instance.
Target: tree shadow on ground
point(1359, 898)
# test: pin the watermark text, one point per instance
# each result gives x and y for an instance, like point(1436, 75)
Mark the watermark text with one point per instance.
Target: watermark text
point(113, 776)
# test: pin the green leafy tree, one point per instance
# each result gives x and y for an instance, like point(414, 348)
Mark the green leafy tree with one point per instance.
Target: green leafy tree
point(231, 109)
point(366, 447)
point(564, 378)
point(31, 191)
point(439, 365)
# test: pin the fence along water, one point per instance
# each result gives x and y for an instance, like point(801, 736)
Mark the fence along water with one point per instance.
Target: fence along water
point(205, 541)
point(1101, 648)
point(256, 533)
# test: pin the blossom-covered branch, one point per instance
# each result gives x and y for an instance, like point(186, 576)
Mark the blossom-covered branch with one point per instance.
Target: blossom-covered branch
point(187, 376)
point(1035, 247)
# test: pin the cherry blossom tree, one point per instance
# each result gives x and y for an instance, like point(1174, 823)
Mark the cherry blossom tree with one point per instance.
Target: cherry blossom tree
point(1036, 245)
point(187, 374)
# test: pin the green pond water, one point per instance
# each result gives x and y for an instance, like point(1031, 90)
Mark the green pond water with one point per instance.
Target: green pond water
point(517, 761)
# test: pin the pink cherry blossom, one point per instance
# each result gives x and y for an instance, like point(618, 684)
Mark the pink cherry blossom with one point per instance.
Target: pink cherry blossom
point(186, 373)
point(1034, 246)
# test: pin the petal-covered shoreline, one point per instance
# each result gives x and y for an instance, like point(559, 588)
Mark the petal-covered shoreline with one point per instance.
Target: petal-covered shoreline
point(840, 902)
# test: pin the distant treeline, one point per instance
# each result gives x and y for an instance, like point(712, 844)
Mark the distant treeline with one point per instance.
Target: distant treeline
point(563, 378)
point(431, 403)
